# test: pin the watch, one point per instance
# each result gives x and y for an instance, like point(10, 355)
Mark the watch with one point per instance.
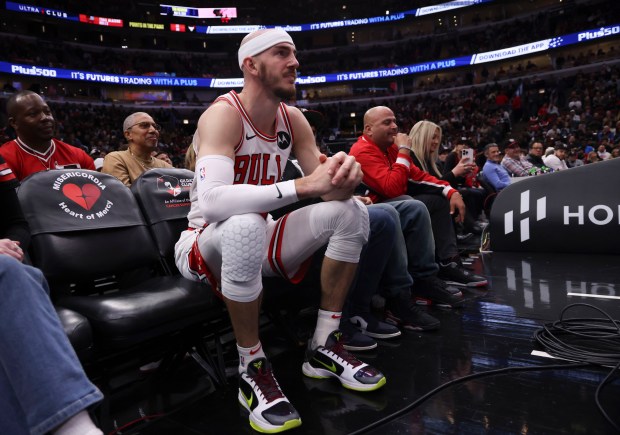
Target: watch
point(400, 147)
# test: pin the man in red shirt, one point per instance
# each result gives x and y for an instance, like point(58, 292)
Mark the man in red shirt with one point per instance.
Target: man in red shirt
point(391, 175)
point(34, 149)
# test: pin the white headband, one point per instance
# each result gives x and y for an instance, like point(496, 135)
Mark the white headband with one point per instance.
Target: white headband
point(263, 42)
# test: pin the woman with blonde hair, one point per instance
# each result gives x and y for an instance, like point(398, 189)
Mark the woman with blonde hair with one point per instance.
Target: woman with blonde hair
point(425, 137)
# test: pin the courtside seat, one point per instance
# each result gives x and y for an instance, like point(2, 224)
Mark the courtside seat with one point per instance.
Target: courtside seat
point(87, 225)
point(163, 196)
point(79, 331)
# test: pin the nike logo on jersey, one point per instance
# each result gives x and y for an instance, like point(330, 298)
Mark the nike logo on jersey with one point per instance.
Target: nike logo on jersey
point(279, 193)
point(248, 137)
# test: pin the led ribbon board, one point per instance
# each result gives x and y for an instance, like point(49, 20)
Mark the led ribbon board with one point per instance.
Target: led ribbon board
point(437, 65)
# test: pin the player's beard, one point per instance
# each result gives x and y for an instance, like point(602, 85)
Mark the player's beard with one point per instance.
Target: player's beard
point(271, 81)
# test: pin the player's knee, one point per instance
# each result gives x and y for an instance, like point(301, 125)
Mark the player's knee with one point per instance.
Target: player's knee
point(243, 247)
point(353, 220)
point(246, 291)
point(350, 233)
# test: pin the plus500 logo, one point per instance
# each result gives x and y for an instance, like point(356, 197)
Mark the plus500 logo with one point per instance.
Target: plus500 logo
point(33, 71)
point(604, 31)
point(309, 80)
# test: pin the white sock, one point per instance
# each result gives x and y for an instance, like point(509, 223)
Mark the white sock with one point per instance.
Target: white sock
point(79, 424)
point(326, 323)
point(249, 354)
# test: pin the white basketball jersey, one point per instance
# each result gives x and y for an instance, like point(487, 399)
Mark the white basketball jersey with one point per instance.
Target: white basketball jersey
point(259, 158)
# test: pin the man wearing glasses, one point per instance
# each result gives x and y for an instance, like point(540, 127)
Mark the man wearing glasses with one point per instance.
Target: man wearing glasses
point(142, 135)
point(535, 154)
point(34, 149)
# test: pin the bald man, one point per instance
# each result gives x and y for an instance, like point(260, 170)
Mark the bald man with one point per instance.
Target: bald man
point(242, 144)
point(390, 174)
point(142, 135)
point(35, 149)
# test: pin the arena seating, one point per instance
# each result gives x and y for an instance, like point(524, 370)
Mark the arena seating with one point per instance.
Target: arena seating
point(87, 226)
point(163, 196)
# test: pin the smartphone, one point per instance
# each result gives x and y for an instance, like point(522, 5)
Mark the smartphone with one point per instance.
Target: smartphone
point(468, 154)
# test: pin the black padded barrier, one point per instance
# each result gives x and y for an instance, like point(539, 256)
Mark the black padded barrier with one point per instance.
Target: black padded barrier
point(575, 210)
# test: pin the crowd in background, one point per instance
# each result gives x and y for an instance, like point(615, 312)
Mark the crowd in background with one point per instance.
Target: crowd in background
point(574, 110)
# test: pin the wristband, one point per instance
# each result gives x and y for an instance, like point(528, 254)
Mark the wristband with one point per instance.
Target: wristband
point(404, 147)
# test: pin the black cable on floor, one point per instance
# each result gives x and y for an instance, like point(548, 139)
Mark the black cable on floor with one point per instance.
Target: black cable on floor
point(467, 378)
point(591, 341)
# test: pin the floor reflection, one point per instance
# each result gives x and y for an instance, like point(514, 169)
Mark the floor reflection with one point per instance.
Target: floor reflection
point(493, 331)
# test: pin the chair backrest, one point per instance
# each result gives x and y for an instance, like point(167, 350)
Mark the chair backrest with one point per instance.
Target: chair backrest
point(163, 196)
point(84, 225)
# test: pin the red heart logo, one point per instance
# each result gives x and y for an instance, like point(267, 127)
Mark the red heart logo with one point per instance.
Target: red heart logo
point(85, 196)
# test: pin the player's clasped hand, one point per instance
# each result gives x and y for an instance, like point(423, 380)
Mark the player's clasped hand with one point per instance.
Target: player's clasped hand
point(347, 173)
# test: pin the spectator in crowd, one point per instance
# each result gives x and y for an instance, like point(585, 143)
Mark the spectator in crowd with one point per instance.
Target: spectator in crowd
point(99, 164)
point(548, 151)
point(605, 134)
point(44, 388)
point(535, 154)
point(592, 157)
point(163, 156)
point(387, 275)
point(442, 156)
point(425, 137)
point(574, 159)
point(230, 235)
point(516, 164)
point(391, 179)
point(35, 149)
point(317, 122)
point(602, 152)
point(557, 160)
point(615, 153)
point(15, 233)
point(190, 157)
point(494, 173)
point(462, 174)
point(142, 135)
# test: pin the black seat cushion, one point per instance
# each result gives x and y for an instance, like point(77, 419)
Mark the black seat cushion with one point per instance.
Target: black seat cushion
point(154, 307)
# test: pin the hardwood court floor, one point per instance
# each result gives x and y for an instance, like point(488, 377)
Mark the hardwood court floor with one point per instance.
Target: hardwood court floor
point(494, 330)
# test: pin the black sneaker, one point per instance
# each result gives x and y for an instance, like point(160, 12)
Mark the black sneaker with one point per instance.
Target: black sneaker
point(373, 327)
point(353, 339)
point(464, 237)
point(259, 393)
point(434, 291)
point(405, 314)
point(454, 274)
point(332, 360)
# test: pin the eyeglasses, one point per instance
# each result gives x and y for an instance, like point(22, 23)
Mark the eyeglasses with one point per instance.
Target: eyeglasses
point(537, 148)
point(145, 125)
